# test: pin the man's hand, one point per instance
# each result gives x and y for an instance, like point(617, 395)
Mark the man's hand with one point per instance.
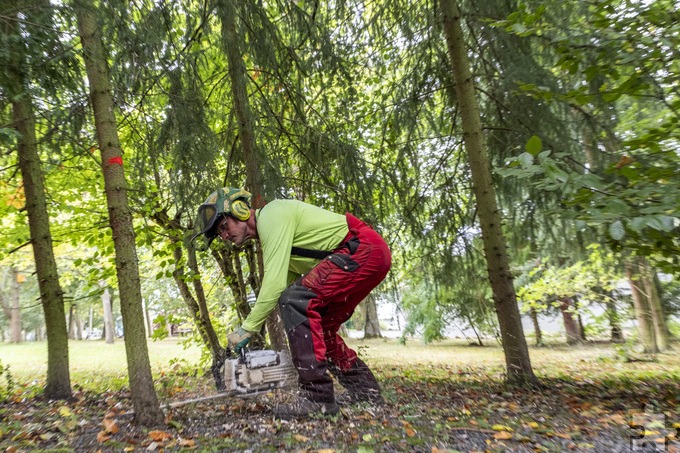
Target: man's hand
point(239, 339)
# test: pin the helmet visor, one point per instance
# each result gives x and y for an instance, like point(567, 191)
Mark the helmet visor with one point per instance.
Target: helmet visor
point(206, 221)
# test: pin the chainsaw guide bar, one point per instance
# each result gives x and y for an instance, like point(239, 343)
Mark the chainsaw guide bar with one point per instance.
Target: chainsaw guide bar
point(252, 373)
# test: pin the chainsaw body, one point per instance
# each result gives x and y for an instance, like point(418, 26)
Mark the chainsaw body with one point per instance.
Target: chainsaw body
point(258, 371)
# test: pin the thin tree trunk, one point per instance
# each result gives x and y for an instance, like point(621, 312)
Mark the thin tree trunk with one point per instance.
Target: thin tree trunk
point(108, 315)
point(79, 324)
point(372, 324)
point(72, 322)
point(571, 325)
point(658, 317)
point(147, 318)
point(144, 398)
point(643, 311)
point(90, 322)
point(537, 327)
point(252, 157)
point(614, 321)
point(518, 363)
point(15, 309)
point(58, 384)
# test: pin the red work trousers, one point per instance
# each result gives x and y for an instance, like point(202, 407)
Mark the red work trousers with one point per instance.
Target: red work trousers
point(314, 308)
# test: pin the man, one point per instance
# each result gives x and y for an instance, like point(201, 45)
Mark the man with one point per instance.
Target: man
point(318, 266)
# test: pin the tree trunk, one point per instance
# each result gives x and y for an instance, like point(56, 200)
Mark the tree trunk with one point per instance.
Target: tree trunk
point(518, 363)
point(372, 325)
point(147, 318)
point(537, 327)
point(90, 321)
point(614, 321)
point(571, 324)
point(658, 317)
point(72, 322)
point(15, 309)
point(252, 157)
point(58, 385)
point(643, 311)
point(144, 398)
point(108, 315)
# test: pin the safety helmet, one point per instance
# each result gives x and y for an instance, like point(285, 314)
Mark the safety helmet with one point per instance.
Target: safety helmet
point(226, 201)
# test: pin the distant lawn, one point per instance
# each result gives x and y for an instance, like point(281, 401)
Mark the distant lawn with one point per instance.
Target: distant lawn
point(98, 366)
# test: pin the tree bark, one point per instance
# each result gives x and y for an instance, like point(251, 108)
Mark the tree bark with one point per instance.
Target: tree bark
point(58, 385)
point(143, 395)
point(518, 363)
point(372, 325)
point(643, 312)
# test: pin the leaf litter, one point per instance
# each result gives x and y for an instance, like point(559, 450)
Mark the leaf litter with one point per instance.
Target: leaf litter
point(437, 408)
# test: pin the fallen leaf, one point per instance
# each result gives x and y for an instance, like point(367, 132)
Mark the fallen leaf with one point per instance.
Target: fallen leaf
point(110, 426)
point(533, 425)
point(152, 446)
point(501, 428)
point(367, 437)
point(503, 435)
point(563, 436)
point(46, 436)
point(64, 411)
point(325, 450)
point(300, 438)
point(159, 436)
point(410, 432)
point(128, 449)
point(187, 443)
point(103, 436)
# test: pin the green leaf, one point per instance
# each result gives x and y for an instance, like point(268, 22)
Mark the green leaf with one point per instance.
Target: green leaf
point(534, 145)
point(617, 230)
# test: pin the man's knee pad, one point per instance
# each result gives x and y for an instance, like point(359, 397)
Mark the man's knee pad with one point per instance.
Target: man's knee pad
point(294, 301)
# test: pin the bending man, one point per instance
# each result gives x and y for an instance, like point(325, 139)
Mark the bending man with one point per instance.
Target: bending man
point(318, 266)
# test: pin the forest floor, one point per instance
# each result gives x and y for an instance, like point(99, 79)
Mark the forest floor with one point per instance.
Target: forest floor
point(439, 398)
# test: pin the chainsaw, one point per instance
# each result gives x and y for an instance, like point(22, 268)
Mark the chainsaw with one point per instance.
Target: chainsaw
point(248, 374)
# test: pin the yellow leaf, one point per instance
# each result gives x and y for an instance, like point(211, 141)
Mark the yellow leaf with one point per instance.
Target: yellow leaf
point(503, 435)
point(300, 438)
point(65, 411)
point(325, 450)
point(367, 437)
point(501, 428)
point(563, 436)
point(533, 425)
point(128, 449)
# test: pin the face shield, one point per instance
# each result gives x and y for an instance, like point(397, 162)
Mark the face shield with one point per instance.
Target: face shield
point(206, 224)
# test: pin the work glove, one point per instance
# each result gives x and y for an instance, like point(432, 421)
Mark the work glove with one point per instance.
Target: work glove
point(239, 339)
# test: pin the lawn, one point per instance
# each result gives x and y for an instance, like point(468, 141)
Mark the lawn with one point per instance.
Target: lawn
point(440, 397)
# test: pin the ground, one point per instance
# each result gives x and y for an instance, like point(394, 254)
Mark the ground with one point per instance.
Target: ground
point(438, 398)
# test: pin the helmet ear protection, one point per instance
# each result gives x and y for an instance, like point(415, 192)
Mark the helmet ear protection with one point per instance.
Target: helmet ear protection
point(240, 210)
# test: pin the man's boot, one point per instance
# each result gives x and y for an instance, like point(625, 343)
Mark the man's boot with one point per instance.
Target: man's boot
point(360, 383)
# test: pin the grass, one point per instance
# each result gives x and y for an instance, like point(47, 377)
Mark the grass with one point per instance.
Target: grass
point(98, 366)
point(94, 365)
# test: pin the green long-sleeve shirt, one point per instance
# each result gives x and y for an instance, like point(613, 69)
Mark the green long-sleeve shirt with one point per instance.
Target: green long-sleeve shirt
point(283, 224)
